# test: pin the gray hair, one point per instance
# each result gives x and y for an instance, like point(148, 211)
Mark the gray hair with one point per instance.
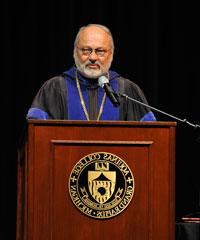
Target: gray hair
point(104, 28)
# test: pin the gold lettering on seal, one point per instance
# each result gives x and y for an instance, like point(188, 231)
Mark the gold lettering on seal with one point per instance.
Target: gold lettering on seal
point(101, 185)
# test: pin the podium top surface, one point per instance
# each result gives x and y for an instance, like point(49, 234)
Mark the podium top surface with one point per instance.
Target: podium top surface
point(102, 123)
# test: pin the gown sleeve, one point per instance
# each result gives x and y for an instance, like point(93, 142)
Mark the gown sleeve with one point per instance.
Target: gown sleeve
point(50, 101)
point(130, 110)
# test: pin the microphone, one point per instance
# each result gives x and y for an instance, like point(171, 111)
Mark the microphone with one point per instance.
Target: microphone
point(112, 95)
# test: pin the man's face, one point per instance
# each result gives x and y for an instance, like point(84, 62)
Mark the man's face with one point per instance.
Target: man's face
point(93, 52)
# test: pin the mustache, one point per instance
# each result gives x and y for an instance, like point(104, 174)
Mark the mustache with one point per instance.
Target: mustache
point(92, 62)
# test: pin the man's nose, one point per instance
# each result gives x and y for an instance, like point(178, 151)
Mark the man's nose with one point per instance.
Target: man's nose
point(92, 60)
point(93, 56)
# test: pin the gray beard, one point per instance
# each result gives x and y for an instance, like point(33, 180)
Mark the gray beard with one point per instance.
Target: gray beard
point(91, 73)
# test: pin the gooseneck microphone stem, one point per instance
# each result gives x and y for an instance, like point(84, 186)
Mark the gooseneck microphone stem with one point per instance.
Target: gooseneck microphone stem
point(157, 110)
point(114, 98)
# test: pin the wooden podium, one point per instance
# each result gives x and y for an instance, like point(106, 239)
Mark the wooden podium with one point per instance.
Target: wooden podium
point(53, 148)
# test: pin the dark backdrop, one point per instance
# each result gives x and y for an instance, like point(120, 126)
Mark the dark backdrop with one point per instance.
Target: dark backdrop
point(157, 42)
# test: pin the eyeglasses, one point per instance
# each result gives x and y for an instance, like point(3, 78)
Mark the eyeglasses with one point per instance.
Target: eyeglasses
point(98, 52)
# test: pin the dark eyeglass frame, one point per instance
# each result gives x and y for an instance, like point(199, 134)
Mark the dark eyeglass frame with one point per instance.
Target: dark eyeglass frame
point(98, 51)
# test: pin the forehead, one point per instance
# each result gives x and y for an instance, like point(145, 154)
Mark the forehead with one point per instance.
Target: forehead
point(94, 37)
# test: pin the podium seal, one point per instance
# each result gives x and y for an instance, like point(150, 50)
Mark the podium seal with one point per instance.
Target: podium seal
point(101, 185)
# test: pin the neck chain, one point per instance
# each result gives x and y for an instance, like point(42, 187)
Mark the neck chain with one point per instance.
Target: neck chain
point(83, 102)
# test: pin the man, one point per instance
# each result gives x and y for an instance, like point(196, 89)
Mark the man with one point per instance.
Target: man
point(77, 95)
